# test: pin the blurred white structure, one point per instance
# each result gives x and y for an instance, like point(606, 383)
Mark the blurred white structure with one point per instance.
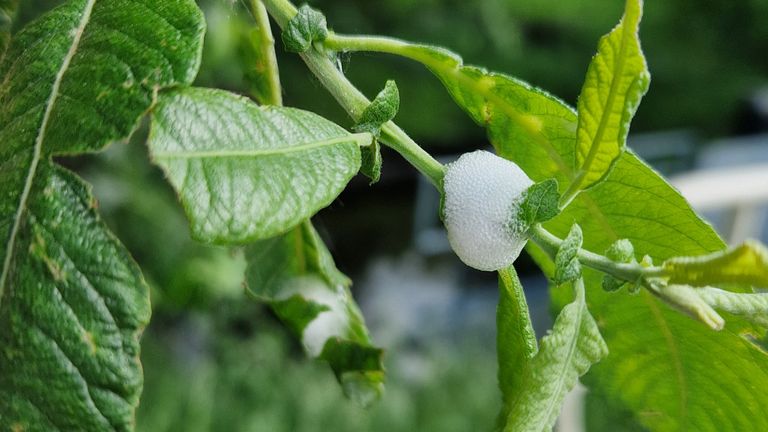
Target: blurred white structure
point(740, 191)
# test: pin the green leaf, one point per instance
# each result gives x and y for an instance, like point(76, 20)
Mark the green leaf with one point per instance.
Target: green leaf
point(686, 299)
point(370, 160)
point(540, 204)
point(306, 27)
point(294, 273)
point(525, 124)
point(382, 109)
point(665, 372)
point(245, 172)
point(567, 265)
point(616, 81)
point(753, 307)
point(621, 251)
point(73, 309)
point(566, 353)
point(516, 340)
point(746, 264)
point(8, 9)
point(72, 303)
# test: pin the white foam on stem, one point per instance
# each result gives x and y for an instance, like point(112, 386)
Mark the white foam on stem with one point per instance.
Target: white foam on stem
point(482, 197)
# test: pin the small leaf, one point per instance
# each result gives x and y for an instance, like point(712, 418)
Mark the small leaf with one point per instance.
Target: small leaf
point(541, 203)
point(255, 176)
point(616, 81)
point(567, 265)
point(307, 27)
point(746, 264)
point(621, 251)
point(382, 109)
point(294, 273)
point(753, 307)
point(516, 340)
point(566, 353)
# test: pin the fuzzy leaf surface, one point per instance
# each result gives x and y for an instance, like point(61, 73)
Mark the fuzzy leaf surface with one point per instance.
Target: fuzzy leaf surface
point(306, 27)
point(72, 302)
point(746, 264)
point(245, 172)
point(566, 353)
point(540, 203)
point(294, 273)
point(567, 265)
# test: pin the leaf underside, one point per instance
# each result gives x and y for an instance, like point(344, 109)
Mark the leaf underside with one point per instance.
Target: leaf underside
point(245, 172)
point(72, 302)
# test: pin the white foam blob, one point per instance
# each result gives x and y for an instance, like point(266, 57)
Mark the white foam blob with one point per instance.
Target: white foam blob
point(482, 196)
point(333, 322)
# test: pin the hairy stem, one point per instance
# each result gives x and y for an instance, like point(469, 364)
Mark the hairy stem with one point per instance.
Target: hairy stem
point(629, 272)
point(274, 95)
point(354, 102)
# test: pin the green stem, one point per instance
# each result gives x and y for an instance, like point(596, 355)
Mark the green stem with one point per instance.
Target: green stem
point(354, 102)
point(629, 272)
point(274, 95)
point(387, 45)
point(445, 63)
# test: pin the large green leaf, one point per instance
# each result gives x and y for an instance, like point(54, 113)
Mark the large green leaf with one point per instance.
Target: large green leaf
point(616, 80)
point(566, 353)
point(71, 302)
point(294, 273)
point(71, 316)
point(246, 172)
point(674, 373)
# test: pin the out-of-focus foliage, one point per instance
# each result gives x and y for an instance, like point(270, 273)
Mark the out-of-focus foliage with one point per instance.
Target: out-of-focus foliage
point(545, 42)
point(233, 370)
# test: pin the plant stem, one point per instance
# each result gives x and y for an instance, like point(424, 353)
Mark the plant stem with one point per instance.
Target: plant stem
point(274, 95)
point(354, 102)
point(446, 64)
point(388, 45)
point(629, 272)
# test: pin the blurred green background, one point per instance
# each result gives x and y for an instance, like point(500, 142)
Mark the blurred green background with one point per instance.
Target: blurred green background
point(216, 362)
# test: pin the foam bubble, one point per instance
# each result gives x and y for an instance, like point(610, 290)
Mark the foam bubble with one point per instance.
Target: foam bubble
point(482, 196)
